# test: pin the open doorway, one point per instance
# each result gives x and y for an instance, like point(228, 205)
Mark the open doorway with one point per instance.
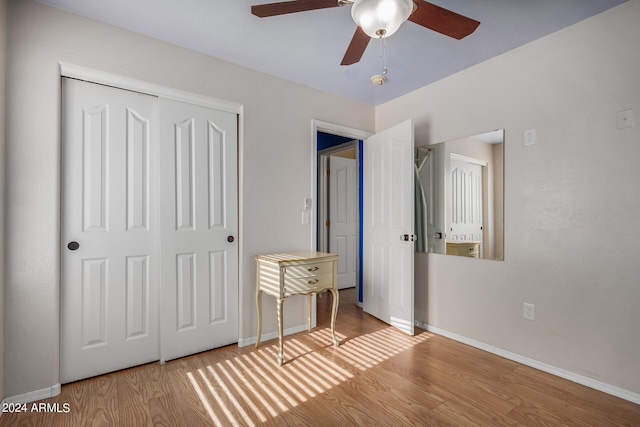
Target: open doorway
point(339, 212)
point(385, 240)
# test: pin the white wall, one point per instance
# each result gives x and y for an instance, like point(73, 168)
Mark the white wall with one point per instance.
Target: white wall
point(572, 201)
point(277, 119)
point(3, 26)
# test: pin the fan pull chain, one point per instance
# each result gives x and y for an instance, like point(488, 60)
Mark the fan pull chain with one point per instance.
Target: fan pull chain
point(384, 56)
point(379, 79)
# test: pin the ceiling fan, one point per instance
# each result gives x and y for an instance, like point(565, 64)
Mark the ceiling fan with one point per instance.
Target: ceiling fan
point(392, 12)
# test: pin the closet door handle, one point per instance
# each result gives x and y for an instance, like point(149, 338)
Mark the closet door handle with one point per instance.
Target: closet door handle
point(230, 239)
point(73, 246)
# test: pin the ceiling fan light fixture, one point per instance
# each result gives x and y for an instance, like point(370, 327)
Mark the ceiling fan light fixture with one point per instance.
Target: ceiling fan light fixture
point(379, 18)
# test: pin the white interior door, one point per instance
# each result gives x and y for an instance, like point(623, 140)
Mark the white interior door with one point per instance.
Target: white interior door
point(465, 193)
point(388, 217)
point(109, 286)
point(343, 203)
point(199, 227)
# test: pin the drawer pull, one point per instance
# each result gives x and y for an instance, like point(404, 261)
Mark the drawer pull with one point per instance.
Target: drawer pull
point(313, 268)
point(313, 282)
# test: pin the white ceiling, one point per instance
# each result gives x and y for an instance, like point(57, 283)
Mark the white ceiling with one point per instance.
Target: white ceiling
point(307, 47)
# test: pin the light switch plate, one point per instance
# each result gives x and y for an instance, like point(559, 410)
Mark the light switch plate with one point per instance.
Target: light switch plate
point(529, 311)
point(529, 137)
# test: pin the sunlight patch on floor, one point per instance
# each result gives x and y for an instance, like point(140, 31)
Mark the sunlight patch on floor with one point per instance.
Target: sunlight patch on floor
point(250, 388)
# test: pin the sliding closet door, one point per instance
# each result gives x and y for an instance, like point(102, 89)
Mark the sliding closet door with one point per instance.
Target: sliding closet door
point(149, 226)
point(199, 303)
point(109, 253)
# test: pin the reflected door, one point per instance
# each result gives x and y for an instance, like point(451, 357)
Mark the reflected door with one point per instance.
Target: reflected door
point(388, 218)
point(466, 201)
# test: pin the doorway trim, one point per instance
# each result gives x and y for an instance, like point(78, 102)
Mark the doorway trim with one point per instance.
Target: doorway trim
point(322, 202)
point(333, 129)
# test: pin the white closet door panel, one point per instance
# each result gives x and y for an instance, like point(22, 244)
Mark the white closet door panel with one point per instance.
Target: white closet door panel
point(217, 179)
point(109, 287)
point(137, 296)
point(95, 175)
point(199, 205)
point(93, 302)
point(218, 302)
point(185, 296)
point(184, 167)
point(137, 172)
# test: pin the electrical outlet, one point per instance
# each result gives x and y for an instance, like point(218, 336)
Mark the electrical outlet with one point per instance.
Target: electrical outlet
point(624, 119)
point(529, 311)
point(529, 137)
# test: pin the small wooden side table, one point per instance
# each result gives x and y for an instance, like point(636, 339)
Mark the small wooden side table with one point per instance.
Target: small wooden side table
point(296, 273)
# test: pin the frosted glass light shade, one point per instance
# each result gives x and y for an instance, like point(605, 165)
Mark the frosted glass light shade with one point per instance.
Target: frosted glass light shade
point(375, 15)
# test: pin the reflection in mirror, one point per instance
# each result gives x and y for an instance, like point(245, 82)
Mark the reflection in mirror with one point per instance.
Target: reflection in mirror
point(459, 197)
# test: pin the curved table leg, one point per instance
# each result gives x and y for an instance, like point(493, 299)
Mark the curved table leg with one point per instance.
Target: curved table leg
point(280, 331)
point(334, 313)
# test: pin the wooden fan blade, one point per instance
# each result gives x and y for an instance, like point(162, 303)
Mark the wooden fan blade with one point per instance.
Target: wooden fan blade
point(282, 8)
point(442, 20)
point(356, 48)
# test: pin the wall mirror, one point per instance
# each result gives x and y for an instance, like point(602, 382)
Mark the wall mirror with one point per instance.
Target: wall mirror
point(459, 197)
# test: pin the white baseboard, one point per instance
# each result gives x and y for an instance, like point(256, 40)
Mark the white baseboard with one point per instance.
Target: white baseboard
point(545, 367)
point(271, 335)
point(33, 396)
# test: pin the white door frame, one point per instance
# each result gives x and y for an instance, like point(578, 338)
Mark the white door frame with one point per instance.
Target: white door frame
point(333, 129)
point(100, 77)
point(326, 127)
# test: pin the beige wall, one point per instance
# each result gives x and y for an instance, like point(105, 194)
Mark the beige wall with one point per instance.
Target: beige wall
point(572, 204)
point(3, 26)
point(277, 119)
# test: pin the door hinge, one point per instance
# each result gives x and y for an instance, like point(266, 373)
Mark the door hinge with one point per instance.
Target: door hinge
point(327, 172)
point(327, 223)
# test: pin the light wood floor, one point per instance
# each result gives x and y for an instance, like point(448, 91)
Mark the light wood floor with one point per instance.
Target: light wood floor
point(377, 377)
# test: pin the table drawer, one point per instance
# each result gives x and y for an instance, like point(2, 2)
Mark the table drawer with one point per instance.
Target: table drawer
point(311, 269)
point(303, 285)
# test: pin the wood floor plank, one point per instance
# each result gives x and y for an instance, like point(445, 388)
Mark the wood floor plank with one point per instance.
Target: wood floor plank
point(377, 377)
point(165, 411)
